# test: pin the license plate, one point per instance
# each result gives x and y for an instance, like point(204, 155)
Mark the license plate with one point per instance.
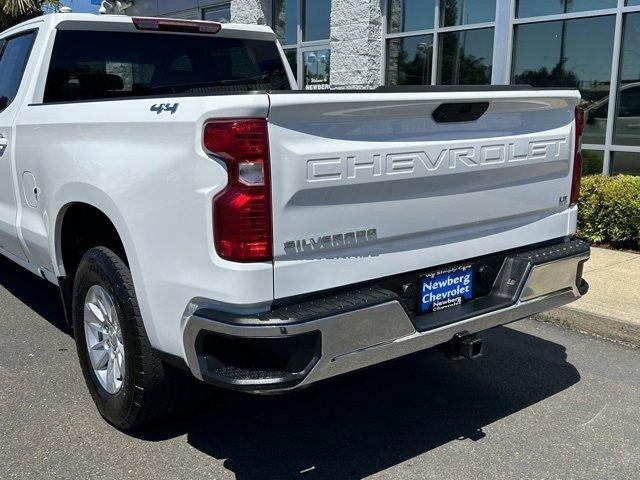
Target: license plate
point(447, 288)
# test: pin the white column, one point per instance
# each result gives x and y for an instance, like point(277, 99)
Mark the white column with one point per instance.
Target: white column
point(257, 12)
point(356, 43)
point(501, 44)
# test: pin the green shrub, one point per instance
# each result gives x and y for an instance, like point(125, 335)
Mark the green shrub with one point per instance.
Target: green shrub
point(591, 162)
point(610, 210)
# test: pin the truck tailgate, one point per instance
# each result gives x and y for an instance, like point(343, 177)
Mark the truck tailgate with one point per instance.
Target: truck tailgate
point(369, 185)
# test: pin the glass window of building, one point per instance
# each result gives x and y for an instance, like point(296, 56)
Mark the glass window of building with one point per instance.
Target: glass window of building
point(466, 57)
point(317, 65)
point(465, 12)
point(303, 27)
point(317, 20)
point(537, 8)
point(627, 127)
point(292, 58)
point(218, 13)
point(285, 21)
point(409, 60)
point(444, 32)
point(410, 15)
point(625, 163)
point(570, 53)
point(592, 162)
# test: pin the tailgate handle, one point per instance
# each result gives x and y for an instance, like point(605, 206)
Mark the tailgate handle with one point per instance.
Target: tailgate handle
point(460, 112)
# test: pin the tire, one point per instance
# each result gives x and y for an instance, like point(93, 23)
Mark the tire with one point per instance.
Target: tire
point(148, 389)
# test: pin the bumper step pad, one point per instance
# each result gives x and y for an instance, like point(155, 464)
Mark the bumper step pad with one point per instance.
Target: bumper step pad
point(309, 310)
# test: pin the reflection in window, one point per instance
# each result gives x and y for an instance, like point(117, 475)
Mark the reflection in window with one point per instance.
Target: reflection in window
point(219, 13)
point(292, 58)
point(285, 21)
point(317, 20)
point(630, 102)
point(466, 57)
point(409, 60)
point(536, 8)
point(571, 53)
point(465, 12)
point(136, 65)
point(631, 3)
point(592, 161)
point(13, 61)
point(625, 163)
point(410, 15)
point(627, 128)
point(317, 65)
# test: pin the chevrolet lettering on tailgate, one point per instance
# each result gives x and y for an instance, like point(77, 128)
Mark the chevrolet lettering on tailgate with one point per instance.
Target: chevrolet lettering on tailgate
point(421, 163)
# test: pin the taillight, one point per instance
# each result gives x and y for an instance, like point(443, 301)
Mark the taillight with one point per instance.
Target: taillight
point(242, 211)
point(173, 25)
point(577, 159)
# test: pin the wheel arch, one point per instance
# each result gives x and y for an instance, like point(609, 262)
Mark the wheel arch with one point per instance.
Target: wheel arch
point(72, 242)
point(81, 195)
point(74, 202)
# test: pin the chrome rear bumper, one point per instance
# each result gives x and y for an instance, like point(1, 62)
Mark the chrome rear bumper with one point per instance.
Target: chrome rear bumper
point(379, 331)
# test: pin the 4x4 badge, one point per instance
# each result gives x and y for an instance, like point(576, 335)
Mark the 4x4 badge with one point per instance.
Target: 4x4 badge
point(165, 107)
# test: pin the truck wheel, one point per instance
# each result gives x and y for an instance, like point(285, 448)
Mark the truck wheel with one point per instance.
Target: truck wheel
point(129, 384)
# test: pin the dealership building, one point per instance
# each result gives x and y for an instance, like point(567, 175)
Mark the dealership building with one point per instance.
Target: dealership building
point(592, 45)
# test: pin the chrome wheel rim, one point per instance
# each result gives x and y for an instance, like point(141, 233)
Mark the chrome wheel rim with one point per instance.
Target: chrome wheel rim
point(104, 339)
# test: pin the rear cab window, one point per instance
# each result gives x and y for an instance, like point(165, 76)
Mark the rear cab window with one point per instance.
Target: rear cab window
point(88, 65)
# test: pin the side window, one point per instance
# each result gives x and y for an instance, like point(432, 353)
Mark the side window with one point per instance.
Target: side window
point(14, 54)
point(630, 102)
point(601, 111)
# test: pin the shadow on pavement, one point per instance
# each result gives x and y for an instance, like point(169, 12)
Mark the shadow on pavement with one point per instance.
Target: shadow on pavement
point(359, 424)
point(39, 295)
point(363, 423)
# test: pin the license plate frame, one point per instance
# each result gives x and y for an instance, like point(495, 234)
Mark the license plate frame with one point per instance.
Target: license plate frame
point(446, 288)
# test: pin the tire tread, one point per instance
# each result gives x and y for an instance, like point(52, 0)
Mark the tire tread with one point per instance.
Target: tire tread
point(156, 390)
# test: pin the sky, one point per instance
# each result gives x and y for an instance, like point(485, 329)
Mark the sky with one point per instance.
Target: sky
point(81, 5)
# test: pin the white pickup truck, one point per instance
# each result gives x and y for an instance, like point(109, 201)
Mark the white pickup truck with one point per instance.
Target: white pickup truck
point(198, 212)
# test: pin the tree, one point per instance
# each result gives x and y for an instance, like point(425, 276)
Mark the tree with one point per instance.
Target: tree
point(13, 12)
point(557, 77)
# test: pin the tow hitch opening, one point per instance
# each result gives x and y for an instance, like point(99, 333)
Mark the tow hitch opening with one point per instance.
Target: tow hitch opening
point(465, 345)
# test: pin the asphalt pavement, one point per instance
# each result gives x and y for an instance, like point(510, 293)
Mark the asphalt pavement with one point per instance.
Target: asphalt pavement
point(543, 403)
